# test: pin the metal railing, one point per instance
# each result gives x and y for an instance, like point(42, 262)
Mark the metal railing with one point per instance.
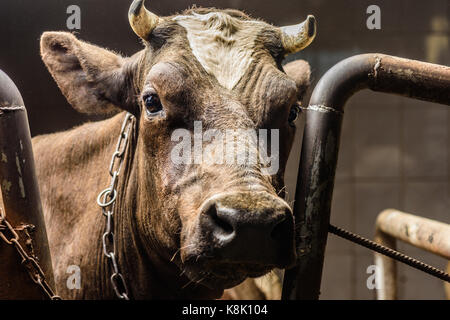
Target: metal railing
point(23, 237)
point(427, 234)
point(320, 147)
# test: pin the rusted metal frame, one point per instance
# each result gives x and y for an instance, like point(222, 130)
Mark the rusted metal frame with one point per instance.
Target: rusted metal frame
point(21, 199)
point(447, 285)
point(320, 147)
point(388, 273)
point(430, 235)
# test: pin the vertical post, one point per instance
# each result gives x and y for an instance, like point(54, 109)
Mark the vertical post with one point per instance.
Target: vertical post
point(21, 198)
point(387, 268)
point(313, 200)
point(447, 285)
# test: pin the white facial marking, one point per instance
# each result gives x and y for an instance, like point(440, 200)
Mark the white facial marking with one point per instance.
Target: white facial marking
point(222, 44)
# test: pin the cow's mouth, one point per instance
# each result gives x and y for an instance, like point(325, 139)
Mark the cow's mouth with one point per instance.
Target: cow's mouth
point(223, 275)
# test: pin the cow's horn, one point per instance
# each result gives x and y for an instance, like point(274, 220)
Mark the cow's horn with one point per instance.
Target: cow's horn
point(299, 36)
point(141, 20)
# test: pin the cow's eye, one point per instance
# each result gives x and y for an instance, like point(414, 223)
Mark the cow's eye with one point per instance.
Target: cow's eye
point(293, 114)
point(152, 103)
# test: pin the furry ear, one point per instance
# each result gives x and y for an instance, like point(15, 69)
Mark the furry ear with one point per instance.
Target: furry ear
point(300, 72)
point(91, 78)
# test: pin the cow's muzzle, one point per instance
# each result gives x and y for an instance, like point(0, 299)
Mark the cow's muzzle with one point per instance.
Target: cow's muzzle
point(253, 229)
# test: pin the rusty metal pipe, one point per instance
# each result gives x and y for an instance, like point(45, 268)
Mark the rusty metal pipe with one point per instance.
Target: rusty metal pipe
point(388, 268)
point(21, 199)
point(447, 285)
point(427, 234)
point(320, 147)
point(423, 233)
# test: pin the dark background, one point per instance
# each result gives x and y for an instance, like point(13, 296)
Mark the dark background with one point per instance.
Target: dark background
point(395, 152)
point(341, 32)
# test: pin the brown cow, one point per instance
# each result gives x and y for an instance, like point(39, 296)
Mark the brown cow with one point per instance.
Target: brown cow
point(181, 230)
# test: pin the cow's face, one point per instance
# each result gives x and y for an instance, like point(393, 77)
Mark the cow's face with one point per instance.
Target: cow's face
point(216, 117)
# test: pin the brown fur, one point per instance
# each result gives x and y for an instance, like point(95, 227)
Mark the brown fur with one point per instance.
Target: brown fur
point(158, 203)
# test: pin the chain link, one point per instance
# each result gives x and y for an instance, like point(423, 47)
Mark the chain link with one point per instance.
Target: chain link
point(29, 262)
point(106, 200)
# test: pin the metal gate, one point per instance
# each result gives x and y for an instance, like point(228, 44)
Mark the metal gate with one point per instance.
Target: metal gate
point(23, 237)
point(320, 148)
point(427, 234)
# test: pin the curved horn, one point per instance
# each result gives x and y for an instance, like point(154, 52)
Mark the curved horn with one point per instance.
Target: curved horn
point(141, 20)
point(299, 36)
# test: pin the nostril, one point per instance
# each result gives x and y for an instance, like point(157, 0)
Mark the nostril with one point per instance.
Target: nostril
point(220, 223)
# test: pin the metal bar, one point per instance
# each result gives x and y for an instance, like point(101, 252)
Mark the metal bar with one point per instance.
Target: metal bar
point(320, 148)
point(420, 232)
point(388, 266)
point(427, 234)
point(447, 285)
point(21, 199)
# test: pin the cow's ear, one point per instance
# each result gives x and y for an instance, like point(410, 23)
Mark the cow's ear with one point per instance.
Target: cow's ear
point(300, 72)
point(91, 78)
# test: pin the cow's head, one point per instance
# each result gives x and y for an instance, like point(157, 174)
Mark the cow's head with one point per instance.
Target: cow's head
point(201, 73)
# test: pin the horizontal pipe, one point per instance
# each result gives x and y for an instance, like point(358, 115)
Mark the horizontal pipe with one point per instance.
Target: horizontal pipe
point(383, 73)
point(423, 233)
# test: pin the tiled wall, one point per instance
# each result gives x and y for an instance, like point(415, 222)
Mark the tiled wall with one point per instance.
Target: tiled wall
point(395, 151)
point(394, 155)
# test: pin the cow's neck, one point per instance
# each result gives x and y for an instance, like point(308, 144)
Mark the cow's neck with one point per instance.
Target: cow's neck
point(148, 271)
point(72, 168)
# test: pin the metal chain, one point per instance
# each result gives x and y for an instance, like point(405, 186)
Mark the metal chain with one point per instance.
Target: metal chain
point(29, 262)
point(106, 200)
point(389, 252)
